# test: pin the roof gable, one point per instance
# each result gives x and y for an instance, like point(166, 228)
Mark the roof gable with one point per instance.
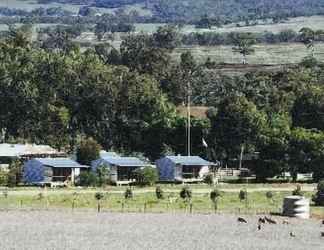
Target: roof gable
point(189, 160)
point(59, 162)
point(125, 161)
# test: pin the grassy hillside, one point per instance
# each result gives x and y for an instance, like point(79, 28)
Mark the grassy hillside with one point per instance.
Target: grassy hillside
point(313, 22)
point(264, 53)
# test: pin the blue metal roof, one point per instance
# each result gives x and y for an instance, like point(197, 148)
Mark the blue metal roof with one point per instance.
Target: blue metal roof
point(189, 160)
point(125, 161)
point(60, 163)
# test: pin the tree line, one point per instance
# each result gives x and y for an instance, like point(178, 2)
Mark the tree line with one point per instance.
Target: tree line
point(215, 38)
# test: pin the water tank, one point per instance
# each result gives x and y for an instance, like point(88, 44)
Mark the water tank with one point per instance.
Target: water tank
point(296, 206)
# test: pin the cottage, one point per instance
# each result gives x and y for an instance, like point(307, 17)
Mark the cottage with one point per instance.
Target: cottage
point(121, 169)
point(11, 152)
point(51, 170)
point(182, 168)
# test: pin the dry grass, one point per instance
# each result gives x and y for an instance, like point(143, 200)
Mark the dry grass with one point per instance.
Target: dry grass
point(284, 53)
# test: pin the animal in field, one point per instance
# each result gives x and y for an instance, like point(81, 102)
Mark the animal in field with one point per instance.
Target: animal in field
point(269, 220)
point(292, 234)
point(322, 234)
point(259, 227)
point(261, 221)
point(241, 220)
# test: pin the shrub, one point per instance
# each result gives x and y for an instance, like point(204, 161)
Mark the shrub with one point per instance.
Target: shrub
point(128, 194)
point(298, 191)
point(269, 196)
point(14, 174)
point(3, 178)
point(40, 196)
point(88, 179)
point(209, 179)
point(99, 196)
point(146, 176)
point(159, 193)
point(215, 194)
point(89, 150)
point(242, 195)
point(318, 198)
point(102, 175)
point(185, 194)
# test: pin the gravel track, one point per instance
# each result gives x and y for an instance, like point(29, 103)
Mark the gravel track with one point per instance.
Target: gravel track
point(42, 230)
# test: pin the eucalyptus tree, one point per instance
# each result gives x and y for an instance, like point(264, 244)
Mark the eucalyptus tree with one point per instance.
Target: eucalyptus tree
point(243, 44)
point(308, 38)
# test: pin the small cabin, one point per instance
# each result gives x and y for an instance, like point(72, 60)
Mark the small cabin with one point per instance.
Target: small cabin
point(182, 168)
point(121, 169)
point(24, 152)
point(51, 170)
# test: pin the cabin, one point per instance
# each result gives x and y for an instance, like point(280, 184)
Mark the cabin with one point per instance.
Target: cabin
point(43, 171)
point(183, 168)
point(121, 169)
point(23, 152)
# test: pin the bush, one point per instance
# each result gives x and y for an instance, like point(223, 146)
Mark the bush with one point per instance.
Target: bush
point(298, 191)
point(89, 150)
point(99, 196)
point(146, 176)
point(88, 179)
point(103, 176)
point(215, 194)
point(209, 179)
point(318, 198)
point(186, 193)
point(269, 195)
point(3, 178)
point(128, 194)
point(242, 195)
point(14, 174)
point(159, 193)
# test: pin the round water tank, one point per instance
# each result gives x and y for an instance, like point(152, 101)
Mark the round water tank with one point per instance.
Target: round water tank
point(296, 206)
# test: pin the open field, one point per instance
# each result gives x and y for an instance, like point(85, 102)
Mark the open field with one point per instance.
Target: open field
point(83, 230)
point(313, 22)
point(284, 53)
point(145, 200)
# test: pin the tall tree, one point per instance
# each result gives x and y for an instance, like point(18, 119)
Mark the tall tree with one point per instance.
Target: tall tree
point(308, 38)
point(243, 44)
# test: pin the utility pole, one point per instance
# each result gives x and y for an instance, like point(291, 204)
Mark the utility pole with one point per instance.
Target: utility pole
point(189, 119)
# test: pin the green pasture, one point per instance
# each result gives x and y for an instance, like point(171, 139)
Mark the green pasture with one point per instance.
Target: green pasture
point(284, 53)
point(144, 200)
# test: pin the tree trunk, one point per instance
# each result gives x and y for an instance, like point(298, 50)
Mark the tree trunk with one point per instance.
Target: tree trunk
point(241, 156)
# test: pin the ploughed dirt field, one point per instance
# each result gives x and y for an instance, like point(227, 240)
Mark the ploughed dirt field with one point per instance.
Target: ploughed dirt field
point(87, 230)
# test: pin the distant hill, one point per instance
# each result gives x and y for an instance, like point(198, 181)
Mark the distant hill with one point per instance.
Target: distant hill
point(226, 10)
